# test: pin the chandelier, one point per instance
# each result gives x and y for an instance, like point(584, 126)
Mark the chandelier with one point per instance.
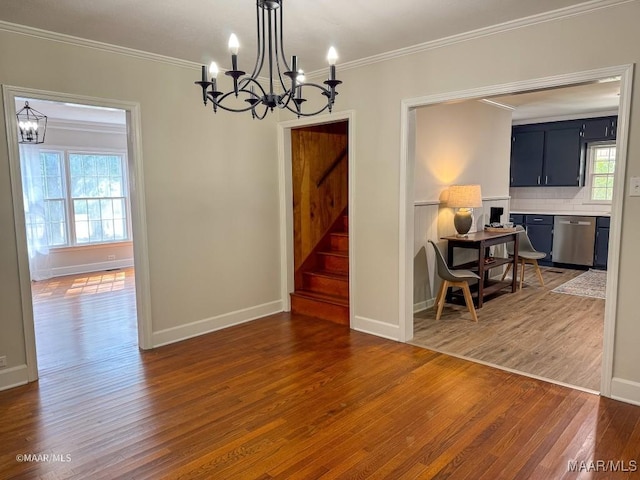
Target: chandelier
point(258, 99)
point(32, 125)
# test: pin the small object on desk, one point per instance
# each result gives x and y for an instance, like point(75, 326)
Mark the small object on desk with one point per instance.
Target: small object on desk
point(500, 229)
point(488, 260)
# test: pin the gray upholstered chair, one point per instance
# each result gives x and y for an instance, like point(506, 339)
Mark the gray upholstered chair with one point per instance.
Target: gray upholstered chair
point(526, 254)
point(453, 278)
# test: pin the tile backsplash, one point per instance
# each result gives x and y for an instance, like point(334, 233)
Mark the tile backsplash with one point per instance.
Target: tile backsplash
point(550, 199)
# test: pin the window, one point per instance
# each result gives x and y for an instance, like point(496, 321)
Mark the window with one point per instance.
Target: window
point(98, 200)
point(602, 163)
point(46, 217)
point(85, 199)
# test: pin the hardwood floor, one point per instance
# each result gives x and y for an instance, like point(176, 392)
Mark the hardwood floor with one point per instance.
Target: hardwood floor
point(547, 334)
point(77, 317)
point(291, 397)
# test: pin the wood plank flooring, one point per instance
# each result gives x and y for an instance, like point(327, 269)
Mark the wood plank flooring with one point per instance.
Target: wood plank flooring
point(551, 335)
point(290, 397)
point(77, 317)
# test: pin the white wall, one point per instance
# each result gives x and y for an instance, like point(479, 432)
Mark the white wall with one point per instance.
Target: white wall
point(211, 191)
point(462, 143)
point(545, 49)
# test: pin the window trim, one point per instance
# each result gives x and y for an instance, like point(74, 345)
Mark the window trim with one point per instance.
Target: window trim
point(590, 160)
point(65, 151)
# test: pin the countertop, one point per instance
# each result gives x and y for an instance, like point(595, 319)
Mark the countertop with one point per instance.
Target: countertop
point(576, 213)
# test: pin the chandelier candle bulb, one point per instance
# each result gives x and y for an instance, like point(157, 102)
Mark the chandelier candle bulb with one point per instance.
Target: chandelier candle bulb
point(213, 70)
point(332, 56)
point(234, 44)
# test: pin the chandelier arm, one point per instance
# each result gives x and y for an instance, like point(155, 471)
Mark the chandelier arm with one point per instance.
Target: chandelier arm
point(279, 53)
point(282, 52)
point(300, 113)
point(261, 41)
point(264, 113)
point(270, 35)
point(218, 103)
point(251, 80)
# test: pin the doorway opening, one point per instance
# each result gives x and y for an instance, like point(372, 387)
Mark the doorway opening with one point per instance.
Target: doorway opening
point(79, 238)
point(316, 202)
point(78, 199)
point(411, 203)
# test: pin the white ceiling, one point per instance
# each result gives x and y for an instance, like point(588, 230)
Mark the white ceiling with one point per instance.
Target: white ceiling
point(71, 112)
point(596, 98)
point(197, 30)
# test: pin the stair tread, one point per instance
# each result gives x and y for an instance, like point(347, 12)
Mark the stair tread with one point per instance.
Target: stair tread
point(329, 274)
point(343, 301)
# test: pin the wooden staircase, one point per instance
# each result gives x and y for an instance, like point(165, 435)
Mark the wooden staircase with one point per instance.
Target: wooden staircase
point(322, 286)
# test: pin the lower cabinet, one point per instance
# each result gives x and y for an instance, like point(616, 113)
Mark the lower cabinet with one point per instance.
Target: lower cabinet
point(540, 232)
point(601, 250)
point(516, 219)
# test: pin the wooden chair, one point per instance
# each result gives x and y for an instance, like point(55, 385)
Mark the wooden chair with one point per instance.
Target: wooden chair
point(526, 255)
point(453, 278)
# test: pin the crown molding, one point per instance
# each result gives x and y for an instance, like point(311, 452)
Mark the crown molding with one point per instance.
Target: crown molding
point(83, 42)
point(558, 14)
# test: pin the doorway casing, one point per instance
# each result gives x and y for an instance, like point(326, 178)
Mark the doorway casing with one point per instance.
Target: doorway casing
point(406, 194)
point(286, 201)
point(138, 212)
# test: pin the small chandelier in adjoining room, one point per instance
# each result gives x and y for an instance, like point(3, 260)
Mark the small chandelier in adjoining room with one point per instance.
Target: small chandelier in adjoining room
point(32, 125)
point(247, 87)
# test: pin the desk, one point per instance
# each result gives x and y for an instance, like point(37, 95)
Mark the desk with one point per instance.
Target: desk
point(481, 241)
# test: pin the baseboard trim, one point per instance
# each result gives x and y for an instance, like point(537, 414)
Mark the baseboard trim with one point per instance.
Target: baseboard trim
point(208, 325)
point(92, 267)
point(421, 306)
point(376, 327)
point(625, 390)
point(13, 377)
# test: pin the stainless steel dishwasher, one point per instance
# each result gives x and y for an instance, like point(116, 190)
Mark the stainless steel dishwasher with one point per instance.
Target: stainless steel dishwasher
point(574, 239)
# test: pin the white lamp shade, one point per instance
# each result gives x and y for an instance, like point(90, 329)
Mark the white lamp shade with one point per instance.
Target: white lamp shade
point(464, 196)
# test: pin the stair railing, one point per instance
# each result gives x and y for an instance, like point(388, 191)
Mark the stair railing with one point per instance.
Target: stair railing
point(332, 167)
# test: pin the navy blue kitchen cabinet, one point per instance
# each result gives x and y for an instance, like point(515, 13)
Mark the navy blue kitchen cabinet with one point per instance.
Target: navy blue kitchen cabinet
point(527, 152)
point(562, 158)
point(540, 232)
point(601, 250)
point(599, 129)
point(547, 154)
point(517, 219)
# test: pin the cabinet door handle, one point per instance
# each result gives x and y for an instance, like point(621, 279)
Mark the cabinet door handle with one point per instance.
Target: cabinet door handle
point(546, 179)
point(538, 179)
point(606, 131)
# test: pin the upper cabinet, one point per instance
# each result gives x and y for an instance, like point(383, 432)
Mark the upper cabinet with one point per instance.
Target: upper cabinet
point(544, 156)
point(599, 129)
point(527, 153)
point(562, 158)
point(552, 154)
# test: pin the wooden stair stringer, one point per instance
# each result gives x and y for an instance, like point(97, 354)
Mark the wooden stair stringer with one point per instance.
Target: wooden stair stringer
point(322, 282)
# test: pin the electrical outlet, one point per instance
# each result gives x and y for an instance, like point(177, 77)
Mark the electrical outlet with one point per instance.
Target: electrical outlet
point(634, 186)
point(3, 361)
point(111, 257)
